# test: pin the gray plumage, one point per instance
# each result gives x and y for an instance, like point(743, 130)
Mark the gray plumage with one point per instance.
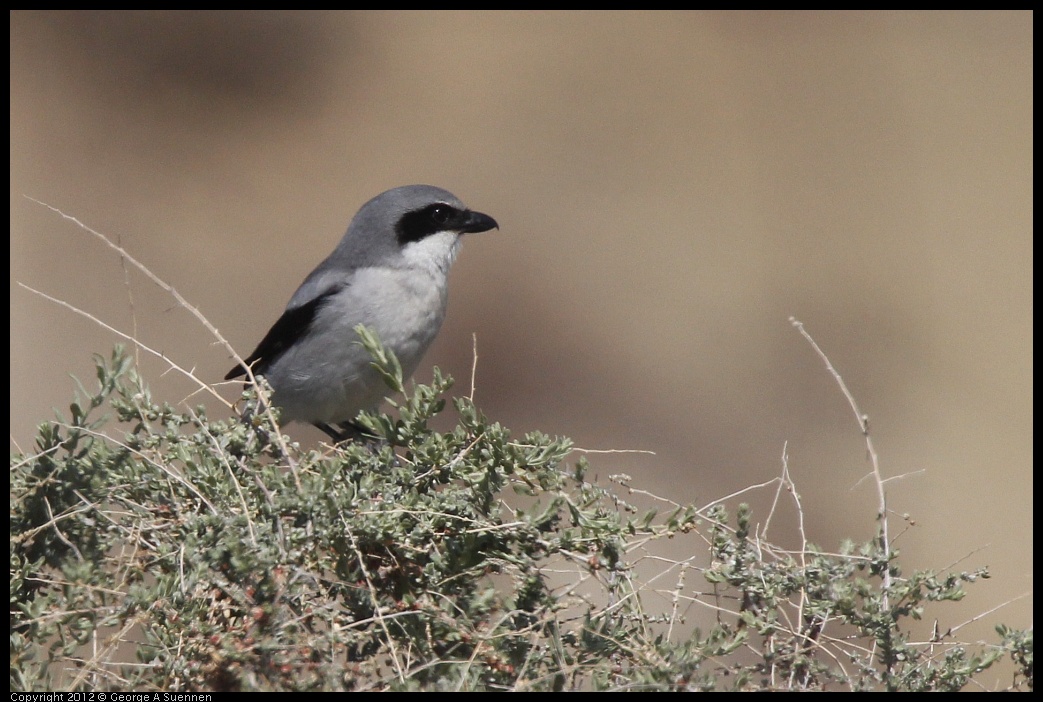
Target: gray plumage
point(390, 273)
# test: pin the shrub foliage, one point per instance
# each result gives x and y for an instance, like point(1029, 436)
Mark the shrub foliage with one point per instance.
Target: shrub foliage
point(167, 551)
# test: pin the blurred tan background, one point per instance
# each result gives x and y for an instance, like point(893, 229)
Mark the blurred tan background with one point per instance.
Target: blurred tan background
point(670, 189)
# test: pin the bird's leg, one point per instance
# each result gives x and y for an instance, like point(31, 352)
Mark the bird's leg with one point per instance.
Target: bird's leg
point(355, 428)
point(345, 431)
point(336, 435)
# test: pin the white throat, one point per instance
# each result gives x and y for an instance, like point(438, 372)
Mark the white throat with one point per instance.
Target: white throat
point(434, 253)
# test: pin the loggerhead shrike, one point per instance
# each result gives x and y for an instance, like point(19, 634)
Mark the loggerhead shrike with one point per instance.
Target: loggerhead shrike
point(389, 273)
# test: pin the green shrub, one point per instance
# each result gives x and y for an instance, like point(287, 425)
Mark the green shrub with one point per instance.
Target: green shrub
point(180, 553)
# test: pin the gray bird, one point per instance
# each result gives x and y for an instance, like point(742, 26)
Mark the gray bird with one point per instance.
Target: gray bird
point(389, 273)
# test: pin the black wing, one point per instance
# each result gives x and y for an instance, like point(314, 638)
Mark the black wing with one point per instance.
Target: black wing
point(291, 326)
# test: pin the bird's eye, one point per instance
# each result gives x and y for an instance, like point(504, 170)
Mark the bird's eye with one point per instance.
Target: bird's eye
point(427, 220)
point(440, 214)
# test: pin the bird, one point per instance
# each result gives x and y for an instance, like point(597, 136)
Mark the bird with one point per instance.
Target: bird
point(389, 273)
